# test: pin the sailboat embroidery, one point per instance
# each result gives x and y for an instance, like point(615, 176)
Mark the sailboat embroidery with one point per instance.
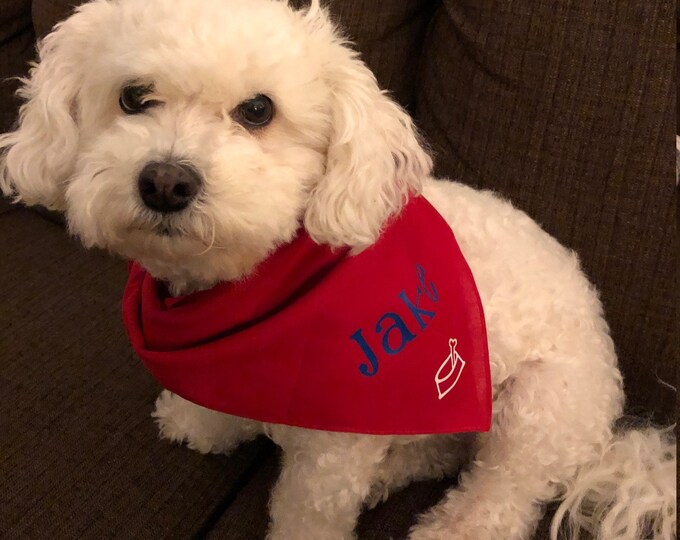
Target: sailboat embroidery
point(449, 372)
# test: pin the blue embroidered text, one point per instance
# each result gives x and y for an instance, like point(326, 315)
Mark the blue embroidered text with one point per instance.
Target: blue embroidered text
point(395, 332)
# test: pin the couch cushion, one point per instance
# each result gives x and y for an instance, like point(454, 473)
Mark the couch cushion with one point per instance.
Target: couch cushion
point(47, 13)
point(16, 49)
point(389, 34)
point(567, 109)
point(80, 455)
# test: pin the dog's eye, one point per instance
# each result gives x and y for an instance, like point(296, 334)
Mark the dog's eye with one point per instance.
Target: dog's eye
point(255, 112)
point(134, 99)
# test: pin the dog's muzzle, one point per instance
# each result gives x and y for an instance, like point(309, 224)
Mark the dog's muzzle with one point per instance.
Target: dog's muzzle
point(168, 186)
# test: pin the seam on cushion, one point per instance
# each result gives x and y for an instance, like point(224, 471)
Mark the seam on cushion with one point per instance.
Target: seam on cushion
point(221, 507)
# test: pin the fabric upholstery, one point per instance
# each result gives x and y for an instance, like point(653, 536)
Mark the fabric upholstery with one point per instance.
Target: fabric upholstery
point(80, 455)
point(47, 13)
point(564, 107)
point(16, 49)
point(390, 39)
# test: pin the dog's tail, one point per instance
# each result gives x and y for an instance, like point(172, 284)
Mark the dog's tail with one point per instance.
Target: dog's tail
point(628, 493)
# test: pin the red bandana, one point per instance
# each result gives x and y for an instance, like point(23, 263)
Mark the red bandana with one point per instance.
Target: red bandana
point(389, 341)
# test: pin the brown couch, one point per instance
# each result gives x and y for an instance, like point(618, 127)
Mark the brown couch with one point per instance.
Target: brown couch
point(564, 107)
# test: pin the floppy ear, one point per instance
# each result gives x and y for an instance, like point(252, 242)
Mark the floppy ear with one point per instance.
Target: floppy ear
point(37, 158)
point(374, 160)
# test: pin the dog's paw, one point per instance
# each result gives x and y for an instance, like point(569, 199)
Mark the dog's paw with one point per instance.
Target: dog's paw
point(465, 515)
point(201, 429)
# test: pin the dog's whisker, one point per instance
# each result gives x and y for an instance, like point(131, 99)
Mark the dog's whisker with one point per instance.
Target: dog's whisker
point(101, 171)
point(88, 206)
point(212, 238)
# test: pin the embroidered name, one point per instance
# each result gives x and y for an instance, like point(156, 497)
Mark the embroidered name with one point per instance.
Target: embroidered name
point(395, 333)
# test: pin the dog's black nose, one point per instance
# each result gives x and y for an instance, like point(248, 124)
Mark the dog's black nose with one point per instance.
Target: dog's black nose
point(167, 186)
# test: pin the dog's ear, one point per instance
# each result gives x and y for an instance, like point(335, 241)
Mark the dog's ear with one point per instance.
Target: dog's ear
point(37, 158)
point(374, 160)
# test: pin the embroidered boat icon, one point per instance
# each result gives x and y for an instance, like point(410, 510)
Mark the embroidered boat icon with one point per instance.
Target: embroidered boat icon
point(449, 372)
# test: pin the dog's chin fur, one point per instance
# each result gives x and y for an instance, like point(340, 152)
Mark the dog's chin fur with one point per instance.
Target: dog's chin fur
point(338, 159)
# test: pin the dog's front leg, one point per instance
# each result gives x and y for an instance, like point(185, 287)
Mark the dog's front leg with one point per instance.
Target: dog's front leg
point(325, 478)
point(203, 430)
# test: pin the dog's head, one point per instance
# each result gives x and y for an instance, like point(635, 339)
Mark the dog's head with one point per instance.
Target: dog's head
point(197, 136)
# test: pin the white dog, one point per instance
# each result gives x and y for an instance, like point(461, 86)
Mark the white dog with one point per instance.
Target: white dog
point(273, 121)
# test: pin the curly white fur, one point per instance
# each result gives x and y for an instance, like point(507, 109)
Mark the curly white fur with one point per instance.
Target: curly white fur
point(627, 493)
point(339, 157)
